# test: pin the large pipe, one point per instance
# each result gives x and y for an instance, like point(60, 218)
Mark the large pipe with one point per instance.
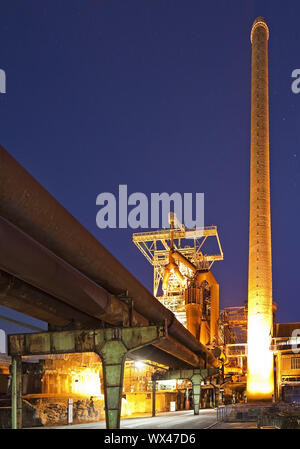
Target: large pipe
point(173, 267)
point(214, 302)
point(177, 256)
point(23, 257)
point(30, 207)
point(193, 310)
point(174, 347)
point(159, 356)
point(18, 295)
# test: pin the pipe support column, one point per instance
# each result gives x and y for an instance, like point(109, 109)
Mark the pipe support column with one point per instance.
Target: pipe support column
point(196, 376)
point(111, 344)
point(196, 383)
point(16, 391)
point(113, 356)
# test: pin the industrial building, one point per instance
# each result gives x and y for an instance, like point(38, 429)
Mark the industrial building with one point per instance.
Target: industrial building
point(113, 348)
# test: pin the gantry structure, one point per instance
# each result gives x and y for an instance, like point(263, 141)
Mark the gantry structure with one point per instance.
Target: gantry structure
point(233, 326)
point(234, 323)
point(175, 253)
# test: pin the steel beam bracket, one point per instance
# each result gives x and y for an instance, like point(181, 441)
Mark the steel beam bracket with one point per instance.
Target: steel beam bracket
point(196, 376)
point(128, 300)
point(111, 344)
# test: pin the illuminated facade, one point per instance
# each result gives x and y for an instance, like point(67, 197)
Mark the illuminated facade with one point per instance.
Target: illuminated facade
point(77, 374)
point(260, 382)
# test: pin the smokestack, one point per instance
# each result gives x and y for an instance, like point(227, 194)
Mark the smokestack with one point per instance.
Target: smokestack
point(260, 383)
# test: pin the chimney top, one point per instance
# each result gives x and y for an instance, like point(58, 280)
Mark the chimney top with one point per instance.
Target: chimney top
point(259, 22)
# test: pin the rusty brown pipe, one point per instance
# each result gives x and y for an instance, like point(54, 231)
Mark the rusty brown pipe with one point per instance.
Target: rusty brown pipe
point(23, 257)
point(161, 357)
point(24, 298)
point(214, 290)
point(172, 266)
point(177, 256)
point(174, 347)
point(25, 203)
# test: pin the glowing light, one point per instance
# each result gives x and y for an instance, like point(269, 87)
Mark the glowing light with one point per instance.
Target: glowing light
point(87, 382)
point(139, 365)
point(260, 358)
point(126, 408)
point(259, 22)
point(260, 379)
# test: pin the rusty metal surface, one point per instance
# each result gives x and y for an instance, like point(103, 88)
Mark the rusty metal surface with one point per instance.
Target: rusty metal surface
point(112, 346)
point(188, 373)
point(24, 298)
point(158, 356)
point(75, 341)
point(26, 259)
point(29, 206)
point(173, 347)
point(23, 257)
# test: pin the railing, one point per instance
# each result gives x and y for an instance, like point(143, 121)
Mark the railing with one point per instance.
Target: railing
point(236, 413)
point(285, 343)
point(287, 417)
point(236, 349)
point(235, 314)
point(178, 232)
point(276, 415)
point(269, 421)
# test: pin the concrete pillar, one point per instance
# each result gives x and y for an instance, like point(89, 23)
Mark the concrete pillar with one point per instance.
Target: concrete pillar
point(16, 396)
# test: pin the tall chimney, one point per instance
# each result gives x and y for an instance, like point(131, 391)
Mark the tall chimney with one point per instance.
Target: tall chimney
point(260, 382)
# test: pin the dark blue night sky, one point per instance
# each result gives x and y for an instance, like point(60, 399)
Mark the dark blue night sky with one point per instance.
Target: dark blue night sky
point(156, 95)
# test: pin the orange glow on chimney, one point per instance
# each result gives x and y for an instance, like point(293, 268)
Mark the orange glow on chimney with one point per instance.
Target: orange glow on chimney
point(260, 383)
